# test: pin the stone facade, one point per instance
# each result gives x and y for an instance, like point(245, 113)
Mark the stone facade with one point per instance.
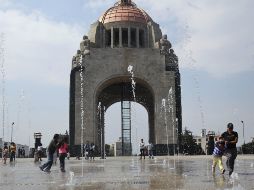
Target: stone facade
point(113, 47)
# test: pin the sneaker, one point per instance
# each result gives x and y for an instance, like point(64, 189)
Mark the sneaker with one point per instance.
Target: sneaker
point(47, 171)
point(230, 172)
point(223, 171)
point(41, 168)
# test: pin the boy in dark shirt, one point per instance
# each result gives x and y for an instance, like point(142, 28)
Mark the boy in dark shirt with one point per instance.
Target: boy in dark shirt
point(231, 138)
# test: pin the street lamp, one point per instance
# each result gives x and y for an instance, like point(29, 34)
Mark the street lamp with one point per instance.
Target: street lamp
point(243, 136)
point(12, 130)
point(243, 132)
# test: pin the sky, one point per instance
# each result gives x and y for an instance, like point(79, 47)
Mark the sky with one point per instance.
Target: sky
point(213, 40)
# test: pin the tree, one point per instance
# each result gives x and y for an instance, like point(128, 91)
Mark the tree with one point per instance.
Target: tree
point(248, 148)
point(188, 144)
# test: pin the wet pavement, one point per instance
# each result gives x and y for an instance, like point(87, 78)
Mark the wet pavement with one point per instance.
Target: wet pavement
point(183, 172)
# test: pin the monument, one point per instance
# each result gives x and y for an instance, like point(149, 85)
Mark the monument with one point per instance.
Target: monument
point(124, 36)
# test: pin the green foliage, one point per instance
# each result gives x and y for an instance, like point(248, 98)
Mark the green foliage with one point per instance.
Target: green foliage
point(248, 148)
point(188, 144)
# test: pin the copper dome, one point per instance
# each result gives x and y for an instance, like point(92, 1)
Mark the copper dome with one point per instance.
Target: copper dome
point(126, 12)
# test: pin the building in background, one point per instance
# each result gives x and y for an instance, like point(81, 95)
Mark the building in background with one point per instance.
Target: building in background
point(206, 140)
point(23, 148)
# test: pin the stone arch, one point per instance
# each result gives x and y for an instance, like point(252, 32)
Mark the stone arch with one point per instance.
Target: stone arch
point(119, 89)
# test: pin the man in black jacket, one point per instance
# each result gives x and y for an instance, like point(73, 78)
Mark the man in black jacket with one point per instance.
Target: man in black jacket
point(53, 145)
point(231, 138)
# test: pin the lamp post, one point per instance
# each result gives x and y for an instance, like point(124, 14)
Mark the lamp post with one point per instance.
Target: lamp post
point(12, 130)
point(243, 132)
point(243, 136)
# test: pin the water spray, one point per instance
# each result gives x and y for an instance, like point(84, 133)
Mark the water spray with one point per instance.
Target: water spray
point(133, 83)
point(2, 61)
point(82, 110)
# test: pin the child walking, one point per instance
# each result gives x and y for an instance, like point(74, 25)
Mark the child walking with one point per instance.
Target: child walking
point(63, 150)
point(218, 151)
point(5, 152)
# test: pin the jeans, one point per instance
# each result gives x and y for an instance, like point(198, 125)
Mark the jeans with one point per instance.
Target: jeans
point(231, 155)
point(12, 156)
point(62, 162)
point(49, 163)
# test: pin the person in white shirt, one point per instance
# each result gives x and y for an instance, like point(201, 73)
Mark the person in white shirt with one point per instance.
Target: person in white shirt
point(142, 148)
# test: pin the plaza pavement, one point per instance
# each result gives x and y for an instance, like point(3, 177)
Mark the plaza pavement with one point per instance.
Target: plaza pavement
point(168, 172)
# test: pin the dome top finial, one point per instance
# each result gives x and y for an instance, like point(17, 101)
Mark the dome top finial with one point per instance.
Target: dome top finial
point(126, 2)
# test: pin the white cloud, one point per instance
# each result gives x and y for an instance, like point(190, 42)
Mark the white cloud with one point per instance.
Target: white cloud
point(5, 3)
point(36, 48)
point(214, 36)
point(99, 3)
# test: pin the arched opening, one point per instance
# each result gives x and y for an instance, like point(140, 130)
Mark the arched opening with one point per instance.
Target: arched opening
point(120, 90)
point(139, 128)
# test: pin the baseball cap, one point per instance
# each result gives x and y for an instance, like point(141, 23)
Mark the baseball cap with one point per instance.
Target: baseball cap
point(230, 125)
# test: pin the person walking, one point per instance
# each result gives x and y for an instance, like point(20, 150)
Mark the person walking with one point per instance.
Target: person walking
point(92, 151)
point(12, 152)
point(23, 152)
point(39, 153)
point(142, 149)
point(53, 145)
point(19, 153)
point(87, 150)
point(63, 150)
point(5, 152)
point(217, 155)
point(231, 138)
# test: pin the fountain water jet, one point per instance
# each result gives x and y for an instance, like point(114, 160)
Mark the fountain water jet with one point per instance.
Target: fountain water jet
point(133, 86)
point(82, 110)
point(164, 108)
point(101, 114)
point(2, 61)
point(133, 83)
point(171, 111)
point(167, 107)
point(71, 179)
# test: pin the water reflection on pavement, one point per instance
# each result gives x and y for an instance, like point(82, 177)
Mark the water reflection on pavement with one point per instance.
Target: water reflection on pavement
point(183, 172)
